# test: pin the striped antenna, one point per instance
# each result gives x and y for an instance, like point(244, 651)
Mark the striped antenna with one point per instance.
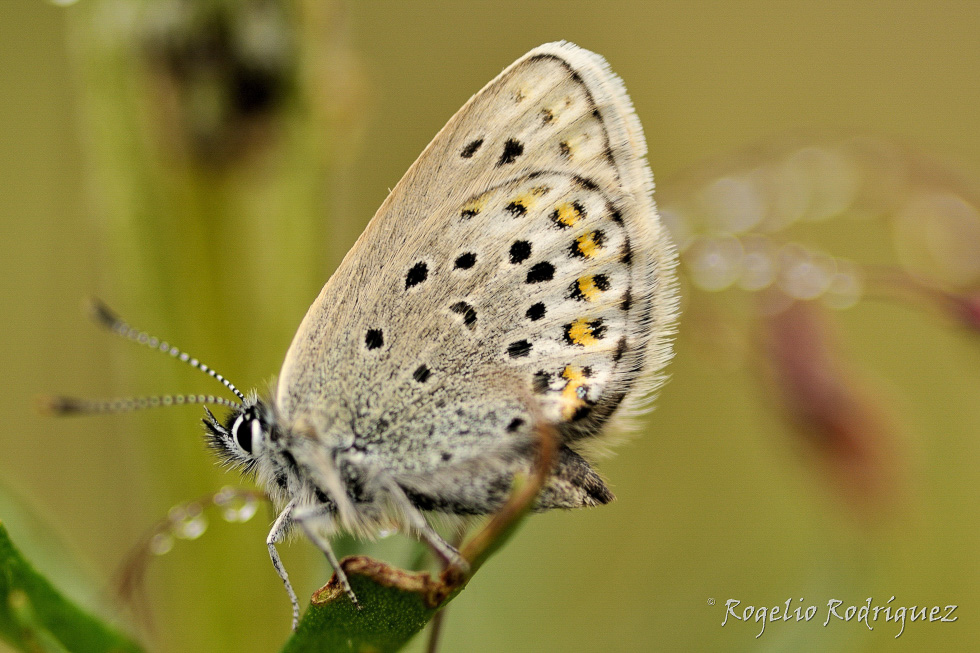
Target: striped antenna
point(65, 406)
point(107, 318)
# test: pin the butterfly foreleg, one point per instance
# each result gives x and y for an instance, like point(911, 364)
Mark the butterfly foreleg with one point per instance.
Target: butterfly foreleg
point(309, 519)
point(279, 529)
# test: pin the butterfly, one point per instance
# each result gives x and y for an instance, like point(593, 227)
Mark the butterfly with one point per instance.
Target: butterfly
point(517, 275)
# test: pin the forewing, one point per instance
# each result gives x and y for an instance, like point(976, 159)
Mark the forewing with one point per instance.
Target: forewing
point(520, 260)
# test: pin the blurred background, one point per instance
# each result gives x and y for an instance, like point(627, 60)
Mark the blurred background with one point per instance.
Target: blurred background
point(203, 166)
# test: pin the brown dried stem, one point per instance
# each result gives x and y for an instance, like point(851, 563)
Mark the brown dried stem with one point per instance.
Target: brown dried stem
point(488, 540)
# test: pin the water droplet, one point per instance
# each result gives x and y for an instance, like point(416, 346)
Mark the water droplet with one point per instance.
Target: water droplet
point(188, 522)
point(733, 204)
point(938, 235)
point(715, 263)
point(846, 287)
point(787, 191)
point(833, 179)
point(239, 508)
point(224, 495)
point(804, 274)
point(758, 264)
point(161, 543)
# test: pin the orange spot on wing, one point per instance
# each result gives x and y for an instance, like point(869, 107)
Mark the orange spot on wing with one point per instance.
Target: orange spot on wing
point(583, 332)
point(474, 206)
point(588, 288)
point(588, 244)
point(573, 396)
point(568, 214)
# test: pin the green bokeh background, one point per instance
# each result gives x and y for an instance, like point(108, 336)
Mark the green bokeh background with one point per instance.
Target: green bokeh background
point(716, 499)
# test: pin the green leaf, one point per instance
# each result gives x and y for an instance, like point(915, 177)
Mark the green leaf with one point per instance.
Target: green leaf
point(394, 606)
point(34, 616)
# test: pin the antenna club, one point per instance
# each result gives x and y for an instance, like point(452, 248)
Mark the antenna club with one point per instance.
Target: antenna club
point(101, 314)
point(58, 405)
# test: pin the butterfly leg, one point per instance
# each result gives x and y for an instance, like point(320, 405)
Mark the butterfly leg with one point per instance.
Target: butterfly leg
point(417, 521)
point(279, 529)
point(305, 517)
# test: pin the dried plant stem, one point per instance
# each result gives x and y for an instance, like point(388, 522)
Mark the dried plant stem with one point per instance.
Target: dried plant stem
point(501, 526)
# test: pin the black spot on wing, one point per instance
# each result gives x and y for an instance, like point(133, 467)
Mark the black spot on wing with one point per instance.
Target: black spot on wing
point(467, 311)
point(516, 209)
point(519, 349)
point(539, 272)
point(465, 261)
point(598, 329)
point(578, 248)
point(540, 382)
point(568, 215)
point(535, 312)
point(520, 251)
point(588, 424)
point(471, 148)
point(422, 374)
point(512, 149)
point(374, 338)
point(575, 333)
point(416, 274)
point(577, 290)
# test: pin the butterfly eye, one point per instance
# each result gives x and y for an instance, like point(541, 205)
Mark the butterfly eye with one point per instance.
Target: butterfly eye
point(242, 432)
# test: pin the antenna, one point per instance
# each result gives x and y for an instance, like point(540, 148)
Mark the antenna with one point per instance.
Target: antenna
point(104, 316)
point(66, 406)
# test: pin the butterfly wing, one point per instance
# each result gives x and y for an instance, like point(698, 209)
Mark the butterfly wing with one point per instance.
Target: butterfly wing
point(518, 271)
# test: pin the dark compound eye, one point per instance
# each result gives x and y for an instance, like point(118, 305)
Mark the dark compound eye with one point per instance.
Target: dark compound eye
point(242, 432)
